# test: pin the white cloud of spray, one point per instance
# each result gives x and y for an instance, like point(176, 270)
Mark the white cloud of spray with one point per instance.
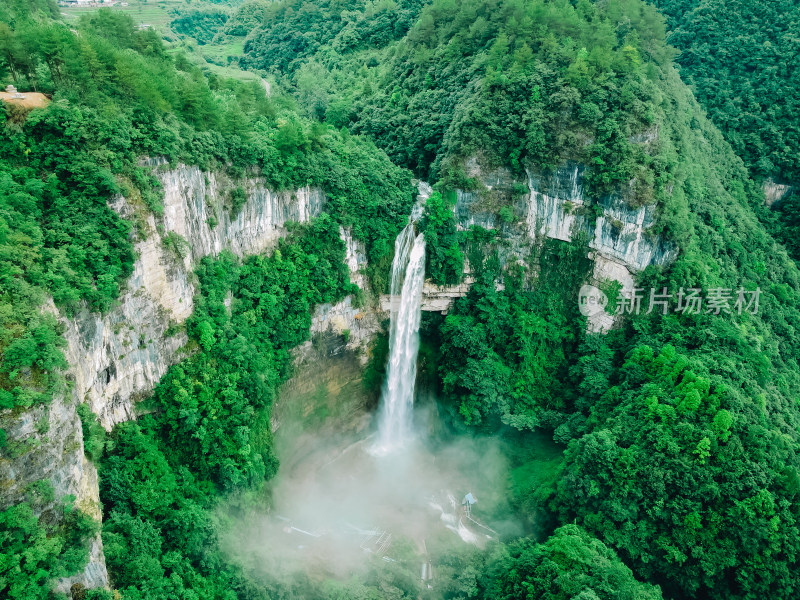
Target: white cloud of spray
point(336, 507)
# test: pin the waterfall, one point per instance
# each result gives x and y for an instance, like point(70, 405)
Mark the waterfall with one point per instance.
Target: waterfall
point(408, 274)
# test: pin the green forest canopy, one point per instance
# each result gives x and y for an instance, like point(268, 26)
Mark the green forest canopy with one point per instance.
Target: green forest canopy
point(537, 83)
point(742, 60)
point(118, 95)
point(681, 469)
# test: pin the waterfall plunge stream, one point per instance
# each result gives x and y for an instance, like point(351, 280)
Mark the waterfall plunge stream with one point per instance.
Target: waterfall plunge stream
point(397, 401)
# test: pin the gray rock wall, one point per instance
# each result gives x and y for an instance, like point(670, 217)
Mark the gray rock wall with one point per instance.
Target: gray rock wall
point(193, 200)
point(118, 357)
point(557, 208)
point(554, 205)
point(775, 192)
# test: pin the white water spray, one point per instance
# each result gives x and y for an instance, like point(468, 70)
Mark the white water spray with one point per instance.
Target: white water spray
point(408, 274)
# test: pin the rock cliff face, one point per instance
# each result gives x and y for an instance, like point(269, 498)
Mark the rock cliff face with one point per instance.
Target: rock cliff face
point(194, 209)
point(328, 368)
point(46, 442)
point(558, 208)
point(344, 326)
point(554, 205)
point(118, 357)
point(356, 258)
point(775, 192)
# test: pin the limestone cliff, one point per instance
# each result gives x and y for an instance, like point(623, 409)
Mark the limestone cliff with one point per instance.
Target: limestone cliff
point(118, 357)
point(774, 192)
point(554, 205)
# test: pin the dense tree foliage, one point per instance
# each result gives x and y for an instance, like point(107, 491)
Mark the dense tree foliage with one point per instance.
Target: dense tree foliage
point(663, 464)
point(62, 165)
point(247, 17)
point(504, 351)
point(742, 59)
point(517, 83)
point(295, 30)
point(117, 95)
point(211, 433)
point(570, 564)
point(669, 476)
point(671, 421)
point(681, 470)
point(13, 10)
point(202, 25)
point(444, 260)
point(787, 228)
point(33, 550)
point(513, 80)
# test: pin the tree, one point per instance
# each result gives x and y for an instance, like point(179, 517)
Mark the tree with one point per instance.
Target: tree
point(569, 564)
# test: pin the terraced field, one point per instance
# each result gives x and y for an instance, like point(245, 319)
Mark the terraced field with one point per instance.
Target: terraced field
point(145, 13)
point(158, 14)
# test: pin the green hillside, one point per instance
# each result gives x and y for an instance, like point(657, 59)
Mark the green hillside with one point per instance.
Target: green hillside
point(661, 459)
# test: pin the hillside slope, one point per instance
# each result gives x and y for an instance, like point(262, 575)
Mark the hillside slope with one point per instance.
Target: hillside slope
point(104, 217)
point(680, 470)
point(742, 59)
point(668, 419)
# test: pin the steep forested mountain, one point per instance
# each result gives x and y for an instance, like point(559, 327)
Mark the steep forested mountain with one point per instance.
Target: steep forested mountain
point(519, 83)
point(742, 60)
point(674, 471)
point(118, 96)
